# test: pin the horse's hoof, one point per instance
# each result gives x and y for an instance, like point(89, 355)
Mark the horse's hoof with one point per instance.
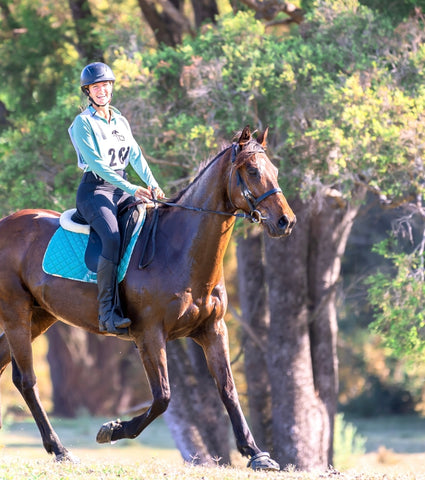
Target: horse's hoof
point(262, 461)
point(67, 457)
point(106, 430)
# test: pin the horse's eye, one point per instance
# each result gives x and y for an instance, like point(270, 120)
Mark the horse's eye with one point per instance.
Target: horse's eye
point(253, 171)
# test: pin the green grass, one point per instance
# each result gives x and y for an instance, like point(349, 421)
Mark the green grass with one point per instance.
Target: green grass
point(395, 451)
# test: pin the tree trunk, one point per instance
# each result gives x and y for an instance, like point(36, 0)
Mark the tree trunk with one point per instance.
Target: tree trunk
point(205, 10)
point(195, 415)
point(102, 375)
point(302, 272)
point(87, 45)
point(330, 229)
point(291, 331)
point(166, 19)
point(300, 429)
point(255, 325)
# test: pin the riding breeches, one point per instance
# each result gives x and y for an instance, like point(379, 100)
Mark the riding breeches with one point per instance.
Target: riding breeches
point(100, 203)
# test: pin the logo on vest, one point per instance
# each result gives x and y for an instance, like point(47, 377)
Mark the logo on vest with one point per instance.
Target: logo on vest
point(118, 136)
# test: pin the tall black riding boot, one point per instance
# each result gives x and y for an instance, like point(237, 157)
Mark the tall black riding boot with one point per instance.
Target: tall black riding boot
point(110, 318)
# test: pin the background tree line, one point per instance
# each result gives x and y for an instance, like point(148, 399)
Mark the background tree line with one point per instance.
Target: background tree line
point(341, 85)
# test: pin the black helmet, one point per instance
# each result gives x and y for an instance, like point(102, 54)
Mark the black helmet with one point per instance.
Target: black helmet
point(94, 73)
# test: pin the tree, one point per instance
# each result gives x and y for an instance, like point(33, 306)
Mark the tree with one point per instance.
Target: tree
point(195, 416)
point(344, 99)
point(84, 21)
point(100, 375)
point(168, 21)
point(255, 319)
point(338, 150)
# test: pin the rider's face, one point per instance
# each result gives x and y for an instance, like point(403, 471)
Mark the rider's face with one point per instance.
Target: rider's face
point(101, 92)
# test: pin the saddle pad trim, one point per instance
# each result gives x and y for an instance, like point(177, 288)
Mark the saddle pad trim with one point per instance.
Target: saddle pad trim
point(66, 222)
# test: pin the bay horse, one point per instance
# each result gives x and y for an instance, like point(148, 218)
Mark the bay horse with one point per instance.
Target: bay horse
point(180, 294)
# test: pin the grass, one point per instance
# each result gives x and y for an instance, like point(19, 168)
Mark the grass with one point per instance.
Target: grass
point(395, 449)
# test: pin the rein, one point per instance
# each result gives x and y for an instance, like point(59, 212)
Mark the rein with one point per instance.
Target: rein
point(199, 209)
point(254, 215)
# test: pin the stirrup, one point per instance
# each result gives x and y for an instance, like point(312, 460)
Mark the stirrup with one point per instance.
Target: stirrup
point(120, 322)
point(109, 327)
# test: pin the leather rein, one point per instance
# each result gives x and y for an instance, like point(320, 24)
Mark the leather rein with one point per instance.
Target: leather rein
point(254, 214)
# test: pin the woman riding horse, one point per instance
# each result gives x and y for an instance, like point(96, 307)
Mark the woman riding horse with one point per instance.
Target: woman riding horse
point(105, 145)
point(180, 294)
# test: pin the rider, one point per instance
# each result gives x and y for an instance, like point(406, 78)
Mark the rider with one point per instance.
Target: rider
point(105, 145)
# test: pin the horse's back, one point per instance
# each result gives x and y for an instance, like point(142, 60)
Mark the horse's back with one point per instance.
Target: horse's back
point(24, 221)
point(25, 233)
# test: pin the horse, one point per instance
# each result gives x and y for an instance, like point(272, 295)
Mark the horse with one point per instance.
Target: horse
point(181, 293)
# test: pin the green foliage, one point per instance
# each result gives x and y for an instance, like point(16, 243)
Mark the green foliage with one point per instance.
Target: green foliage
point(348, 443)
point(398, 10)
point(339, 111)
point(398, 301)
point(37, 161)
point(35, 59)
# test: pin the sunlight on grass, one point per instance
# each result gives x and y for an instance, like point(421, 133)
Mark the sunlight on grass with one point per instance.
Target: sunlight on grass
point(152, 456)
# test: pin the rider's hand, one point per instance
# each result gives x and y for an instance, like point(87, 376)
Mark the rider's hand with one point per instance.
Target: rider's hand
point(157, 192)
point(143, 193)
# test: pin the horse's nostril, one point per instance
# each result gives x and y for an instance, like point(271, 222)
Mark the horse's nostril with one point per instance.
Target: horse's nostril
point(286, 224)
point(283, 222)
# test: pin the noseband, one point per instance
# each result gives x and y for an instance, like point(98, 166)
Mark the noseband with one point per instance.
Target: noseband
point(254, 215)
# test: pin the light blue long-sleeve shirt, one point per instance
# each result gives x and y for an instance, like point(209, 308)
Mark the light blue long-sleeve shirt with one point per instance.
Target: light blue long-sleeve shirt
point(104, 147)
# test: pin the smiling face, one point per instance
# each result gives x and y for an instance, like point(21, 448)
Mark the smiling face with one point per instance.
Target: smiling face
point(101, 92)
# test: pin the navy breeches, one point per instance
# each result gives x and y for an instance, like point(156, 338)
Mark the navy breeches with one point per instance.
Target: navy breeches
point(100, 203)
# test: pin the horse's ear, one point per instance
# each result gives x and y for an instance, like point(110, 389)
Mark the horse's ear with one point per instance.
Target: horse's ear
point(262, 138)
point(245, 136)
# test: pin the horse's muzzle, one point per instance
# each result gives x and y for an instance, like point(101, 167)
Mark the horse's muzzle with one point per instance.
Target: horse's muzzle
point(285, 225)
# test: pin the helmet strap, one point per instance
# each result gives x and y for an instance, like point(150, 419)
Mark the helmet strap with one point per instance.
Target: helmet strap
point(86, 91)
point(97, 105)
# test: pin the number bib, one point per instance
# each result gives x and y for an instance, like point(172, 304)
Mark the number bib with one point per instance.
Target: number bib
point(114, 140)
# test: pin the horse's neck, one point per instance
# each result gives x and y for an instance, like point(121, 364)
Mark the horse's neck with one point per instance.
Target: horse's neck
point(210, 232)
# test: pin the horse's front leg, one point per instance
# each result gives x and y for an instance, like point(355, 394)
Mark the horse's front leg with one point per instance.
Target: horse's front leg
point(215, 344)
point(152, 349)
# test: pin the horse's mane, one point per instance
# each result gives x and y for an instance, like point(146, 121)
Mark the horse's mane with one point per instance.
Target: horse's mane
point(250, 147)
point(203, 167)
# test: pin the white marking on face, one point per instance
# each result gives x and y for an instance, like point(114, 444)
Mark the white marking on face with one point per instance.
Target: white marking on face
point(261, 164)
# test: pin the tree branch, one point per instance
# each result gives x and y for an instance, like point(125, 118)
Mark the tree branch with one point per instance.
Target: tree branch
point(269, 9)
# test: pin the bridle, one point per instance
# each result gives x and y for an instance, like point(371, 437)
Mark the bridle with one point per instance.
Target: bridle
point(254, 214)
point(252, 202)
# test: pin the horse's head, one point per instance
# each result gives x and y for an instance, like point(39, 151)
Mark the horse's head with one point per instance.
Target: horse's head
point(253, 185)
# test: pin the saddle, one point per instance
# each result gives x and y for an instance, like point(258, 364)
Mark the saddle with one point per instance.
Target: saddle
point(72, 220)
point(74, 248)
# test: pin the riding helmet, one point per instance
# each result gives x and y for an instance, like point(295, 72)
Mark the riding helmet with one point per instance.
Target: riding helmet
point(94, 73)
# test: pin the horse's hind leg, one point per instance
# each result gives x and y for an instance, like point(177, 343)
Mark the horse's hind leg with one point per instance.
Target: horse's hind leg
point(4, 360)
point(19, 335)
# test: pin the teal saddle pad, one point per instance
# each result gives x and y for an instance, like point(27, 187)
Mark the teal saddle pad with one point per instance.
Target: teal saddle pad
point(64, 256)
